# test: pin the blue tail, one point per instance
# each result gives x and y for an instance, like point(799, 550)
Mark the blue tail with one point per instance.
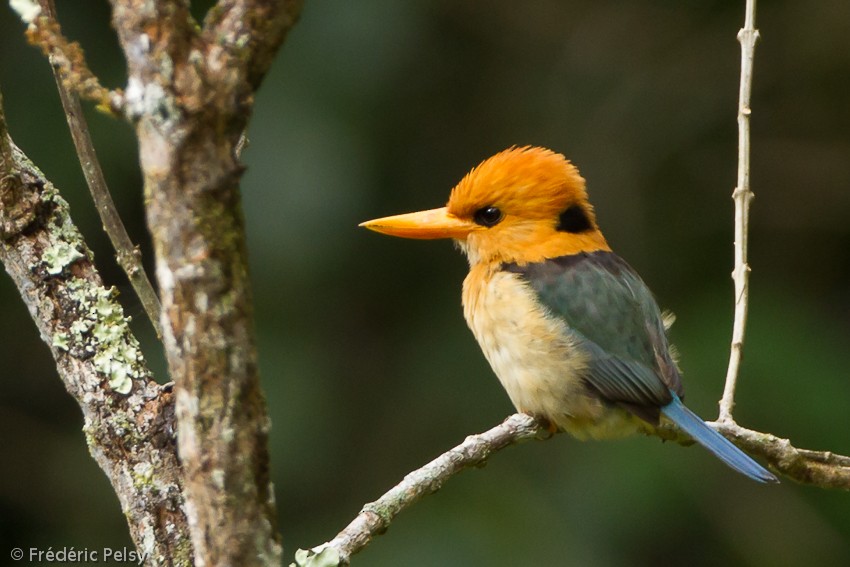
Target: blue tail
point(694, 426)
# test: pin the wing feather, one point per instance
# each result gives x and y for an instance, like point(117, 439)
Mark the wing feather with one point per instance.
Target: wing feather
point(615, 317)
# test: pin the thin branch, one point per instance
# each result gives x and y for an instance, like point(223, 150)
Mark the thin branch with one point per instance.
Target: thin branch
point(747, 36)
point(69, 63)
point(127, 254)
point(823, 469)
point(128, 420)
point(376, 516)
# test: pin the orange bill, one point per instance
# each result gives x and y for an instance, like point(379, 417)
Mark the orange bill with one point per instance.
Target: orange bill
point(435, 223)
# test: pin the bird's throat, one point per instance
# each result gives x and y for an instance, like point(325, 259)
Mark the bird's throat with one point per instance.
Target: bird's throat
point(529, 246)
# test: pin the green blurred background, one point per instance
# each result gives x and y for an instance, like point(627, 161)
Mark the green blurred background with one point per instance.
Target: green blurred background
point(378, 107)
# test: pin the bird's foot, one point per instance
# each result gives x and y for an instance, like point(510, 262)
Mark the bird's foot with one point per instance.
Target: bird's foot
point(549, 427)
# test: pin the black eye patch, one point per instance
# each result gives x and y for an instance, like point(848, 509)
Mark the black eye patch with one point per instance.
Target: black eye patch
point(574, 220)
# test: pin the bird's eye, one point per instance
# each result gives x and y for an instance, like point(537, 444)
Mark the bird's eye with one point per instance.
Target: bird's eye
point(487, 216)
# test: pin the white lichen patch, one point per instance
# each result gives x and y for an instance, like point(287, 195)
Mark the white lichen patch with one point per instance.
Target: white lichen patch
point(133, 95)
point(28, 10)
point(101, 328)
point(166, 67)
point(316, 557)
point(143, 472)
point(149, 539)
point(106, 332)
point(61, 341)
point(149, 99)
point(81, 326)
point(58, 255)
point(217, 477)
point(66, 244)
point(111, 361)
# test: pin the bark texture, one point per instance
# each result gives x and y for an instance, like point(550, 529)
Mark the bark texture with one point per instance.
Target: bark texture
point(128, 419)
point(190, 93)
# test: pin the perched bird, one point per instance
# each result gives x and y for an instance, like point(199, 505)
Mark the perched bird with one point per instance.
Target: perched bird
point(571, 331)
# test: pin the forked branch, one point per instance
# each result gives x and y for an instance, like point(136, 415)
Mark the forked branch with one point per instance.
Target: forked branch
point(818, 468)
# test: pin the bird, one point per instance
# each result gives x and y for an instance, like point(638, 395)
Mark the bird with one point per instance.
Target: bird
point(571, 331)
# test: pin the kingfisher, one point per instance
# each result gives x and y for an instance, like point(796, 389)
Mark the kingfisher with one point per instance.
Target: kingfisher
point(572, 332)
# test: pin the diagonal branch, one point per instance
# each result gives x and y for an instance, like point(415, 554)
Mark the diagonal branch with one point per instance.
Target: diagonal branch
point(66, 57)
point(375, 517)
point(127, 254)
point(128, 419)
point(248, 30)
point(818, 468)
point(742, 197)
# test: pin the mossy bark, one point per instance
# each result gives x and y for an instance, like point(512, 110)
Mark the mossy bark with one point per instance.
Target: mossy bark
point(129, 420)
point(190, 93)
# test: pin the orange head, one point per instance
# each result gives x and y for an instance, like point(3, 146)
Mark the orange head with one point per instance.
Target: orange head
point(521, 205)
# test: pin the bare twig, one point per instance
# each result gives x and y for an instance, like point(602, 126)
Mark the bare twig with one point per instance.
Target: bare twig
point(129, 420)
point(127, 254)
point(69, 63)
point(376, 516)
point(747, 36)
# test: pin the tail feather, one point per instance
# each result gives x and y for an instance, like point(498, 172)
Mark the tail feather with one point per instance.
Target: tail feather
point(722, 448)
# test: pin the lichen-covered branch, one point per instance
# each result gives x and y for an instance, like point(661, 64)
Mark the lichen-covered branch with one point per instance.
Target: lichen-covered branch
point(190, 93)
point(128, 420)
point(742, 196)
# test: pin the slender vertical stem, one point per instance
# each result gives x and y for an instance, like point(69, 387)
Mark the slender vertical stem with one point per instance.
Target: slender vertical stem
point(742, 196)
point(127, 254)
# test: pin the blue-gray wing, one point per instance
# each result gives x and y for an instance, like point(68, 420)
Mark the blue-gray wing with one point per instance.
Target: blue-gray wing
point(616, 319)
